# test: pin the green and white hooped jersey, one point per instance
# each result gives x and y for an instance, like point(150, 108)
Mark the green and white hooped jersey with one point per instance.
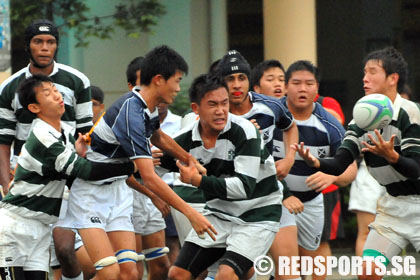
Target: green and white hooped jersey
point(241, 184)
point(405, 125)
point(15, 123)
point(48, 157)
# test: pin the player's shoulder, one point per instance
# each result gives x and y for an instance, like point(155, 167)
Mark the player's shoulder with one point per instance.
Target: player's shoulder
point(240, 125)
point(328, 120)
point(68, 70)
point(11, 84)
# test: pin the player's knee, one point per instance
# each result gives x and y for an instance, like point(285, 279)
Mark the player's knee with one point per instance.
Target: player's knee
point(159, 267)
point(226, 273)
point(63, 243)
point(129, 273)
point(177, 273)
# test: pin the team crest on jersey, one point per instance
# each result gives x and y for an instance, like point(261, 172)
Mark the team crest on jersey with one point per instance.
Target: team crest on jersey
point(277, 149)
point(44, 28)
point(322, 153)
point(266, 135)
point(231, 154)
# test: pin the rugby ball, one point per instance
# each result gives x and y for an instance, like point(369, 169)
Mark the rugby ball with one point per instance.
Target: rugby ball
point(373, 111)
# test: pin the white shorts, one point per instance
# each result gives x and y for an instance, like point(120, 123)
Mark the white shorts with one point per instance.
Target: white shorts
point(397, 219)
point(247, 240)
point(147, 219)
point(24, 242)
point(182, 224)
point(365, 191)
point(309, 223)
point(109, 207)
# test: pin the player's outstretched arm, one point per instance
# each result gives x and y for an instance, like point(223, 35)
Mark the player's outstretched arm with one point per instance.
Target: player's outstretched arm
point(159, 203)
point(305, 154)
point(320, 180)
point(171, 147)
point(200, 224)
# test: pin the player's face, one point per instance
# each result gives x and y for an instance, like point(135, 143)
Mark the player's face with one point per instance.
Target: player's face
point(213, 110)
point(50, 101)
point(272, 83)
point(170, 88)
point(301, 90)
point(238, 85)
point(43, 49)
point(97, 108)
point(375, 79)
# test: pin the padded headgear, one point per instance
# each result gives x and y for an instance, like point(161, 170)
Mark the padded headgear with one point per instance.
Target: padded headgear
point(40, 26)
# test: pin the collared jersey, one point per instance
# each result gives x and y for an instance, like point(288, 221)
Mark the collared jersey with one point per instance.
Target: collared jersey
point(322, 135)
point(405, 125)
point(48, 157)
point(15, 122)
point(241, 184)
point(124, 132)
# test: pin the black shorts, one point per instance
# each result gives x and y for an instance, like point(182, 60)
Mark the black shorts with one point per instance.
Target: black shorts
point(196, 259)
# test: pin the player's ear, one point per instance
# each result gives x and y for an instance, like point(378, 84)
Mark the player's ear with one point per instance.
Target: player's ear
point(393, 78)
point(34, 108)
point(194, 107)
point(158, 79)
point(257, 88)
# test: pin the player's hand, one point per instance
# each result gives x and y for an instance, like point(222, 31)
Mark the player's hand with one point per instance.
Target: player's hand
point(320, 181)
point(156, 155)
point(283, 167)
point(305, 155)
point(201, 225)
point(254, 121)
point(381, 147)
point(80, 145)
point(293, 204)
point(201, 169)
point(162, 206)
point(188, 172)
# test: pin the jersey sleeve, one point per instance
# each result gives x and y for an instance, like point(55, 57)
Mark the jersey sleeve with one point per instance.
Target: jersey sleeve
point(8, 119)
point(130, 130)
point(284, 119)
point(247, 159)
point(83, 108)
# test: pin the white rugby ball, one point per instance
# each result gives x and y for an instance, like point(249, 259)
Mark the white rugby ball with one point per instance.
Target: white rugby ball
point(373, 111)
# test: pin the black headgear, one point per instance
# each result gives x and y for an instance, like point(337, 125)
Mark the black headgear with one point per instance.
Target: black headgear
point(37, 27)
point(233, 62)
point(40, 26)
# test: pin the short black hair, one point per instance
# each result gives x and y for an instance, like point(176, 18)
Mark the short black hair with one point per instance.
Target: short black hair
point(97, 94)
point(164, 61)
point(261, 67)
point(392, 62)
point(303, 65)
point(204, 84)
point(214, 67)
point(26, 92)
point(132, 68)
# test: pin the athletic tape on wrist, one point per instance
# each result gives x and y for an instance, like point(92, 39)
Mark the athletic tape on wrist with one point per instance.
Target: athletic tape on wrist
point(156, 252)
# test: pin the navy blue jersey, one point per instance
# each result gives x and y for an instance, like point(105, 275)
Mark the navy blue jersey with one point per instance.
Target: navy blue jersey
point(322, 134)
point(269, 113)
point(124, 131)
